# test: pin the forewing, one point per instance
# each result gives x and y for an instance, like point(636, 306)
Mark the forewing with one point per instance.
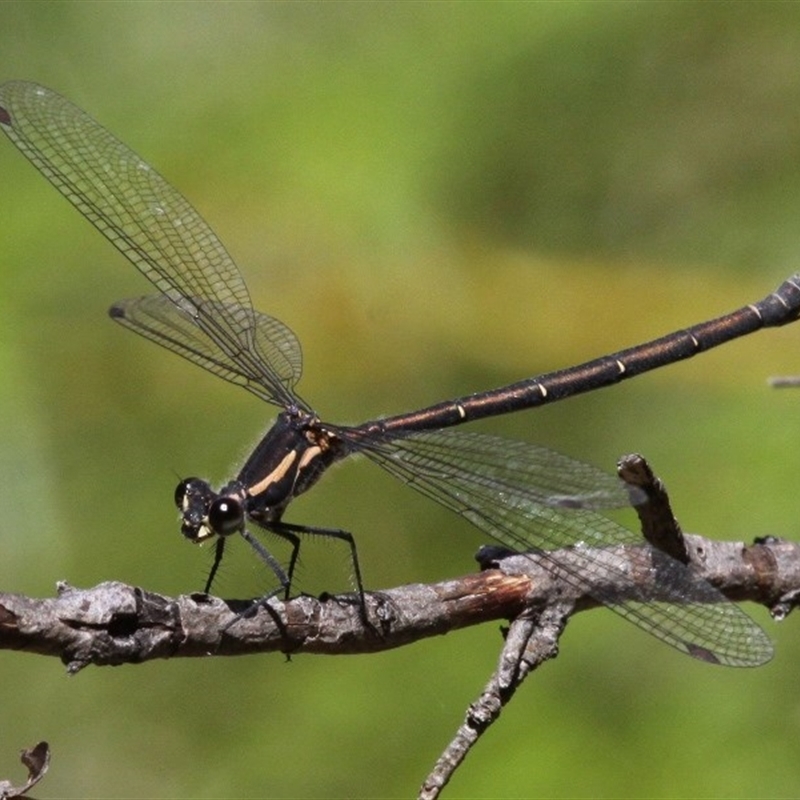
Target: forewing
point(138, 211)
point(148, 220)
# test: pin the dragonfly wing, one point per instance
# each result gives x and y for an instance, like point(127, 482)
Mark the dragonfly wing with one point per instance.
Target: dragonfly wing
point(139, 212)
point(157, 318)
point(515, 492)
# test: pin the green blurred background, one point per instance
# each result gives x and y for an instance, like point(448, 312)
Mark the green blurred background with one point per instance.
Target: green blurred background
point(438, 199)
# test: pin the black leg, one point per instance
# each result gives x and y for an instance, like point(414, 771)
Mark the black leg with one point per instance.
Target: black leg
point(289, 532)
point(271, 561)
point(278, 529)
point(219, 550)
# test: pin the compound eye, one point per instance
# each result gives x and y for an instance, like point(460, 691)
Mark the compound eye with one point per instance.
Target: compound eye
point(225, 516)
point(182, 491)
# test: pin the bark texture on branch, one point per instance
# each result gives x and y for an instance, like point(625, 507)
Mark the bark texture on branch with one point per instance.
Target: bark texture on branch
point(114, 623)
